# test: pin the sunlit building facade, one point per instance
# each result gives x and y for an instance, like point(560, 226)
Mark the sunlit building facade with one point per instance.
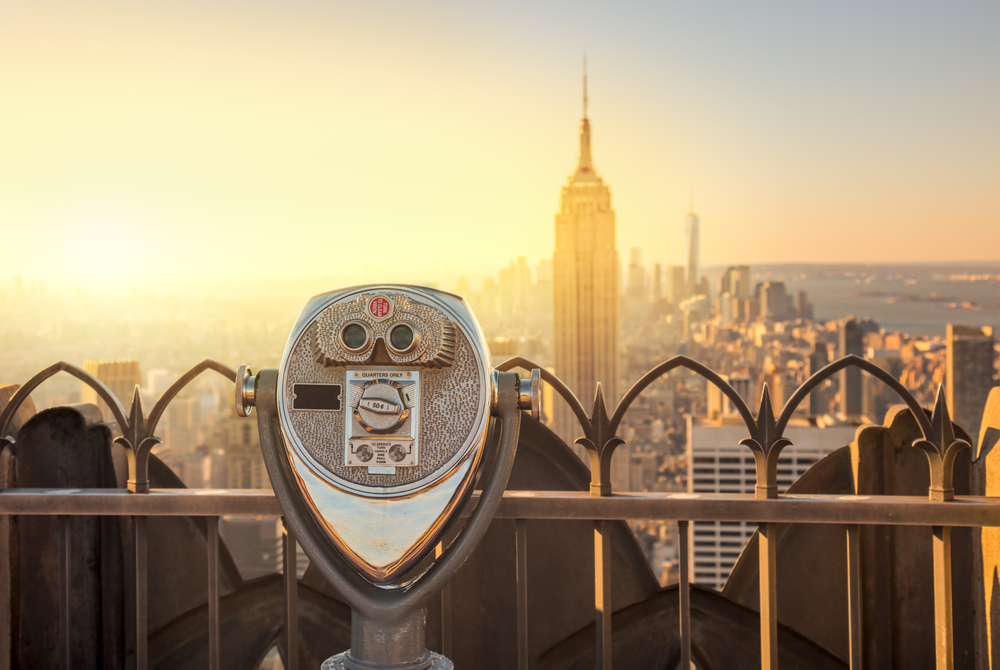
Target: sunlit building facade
point(121, 376)
point(691, 251)
point(970, 375)
point(718, 463)
point(585, 288)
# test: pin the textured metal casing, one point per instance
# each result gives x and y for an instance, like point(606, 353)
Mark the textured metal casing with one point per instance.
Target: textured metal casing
point(383, 524)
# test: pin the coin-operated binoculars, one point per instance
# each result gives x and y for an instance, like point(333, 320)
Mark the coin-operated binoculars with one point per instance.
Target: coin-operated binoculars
point(375, 429)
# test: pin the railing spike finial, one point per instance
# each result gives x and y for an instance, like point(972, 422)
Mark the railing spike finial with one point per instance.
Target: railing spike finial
point(600, 444)
point(765, 412)
point(766, 444)
point(136, 417)
point(944, 430)
point(138, 445)
point(941, 448)
point(600, 412)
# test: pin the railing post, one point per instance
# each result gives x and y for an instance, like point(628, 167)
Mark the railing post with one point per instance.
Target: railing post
point(684, 589)
point(521, 539)
point(854, 595)
point(768, 597)
point(141, 606)
point(943, 637)
point(291, 597)
point(602, 592)
point(212, 537)
point(65, 584)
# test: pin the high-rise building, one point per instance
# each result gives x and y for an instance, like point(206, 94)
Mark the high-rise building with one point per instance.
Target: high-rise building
point(515, 285)
point(691, 249)
point(585, 287)
point(181, 429)
point(636, 285)
point(244, 463)
point(724, 283)
point(852, 341)
point(774, 301)
point(719, 405)
point(819, 402)
point(970, 375)
point(718, 463)
point(804, 308)
point(676, 284)
point(736, 282)
point(876, 397)
point(120, 376)
point(740, 281)
point(158, 381)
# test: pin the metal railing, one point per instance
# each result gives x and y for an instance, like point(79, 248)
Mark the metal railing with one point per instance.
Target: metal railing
point(521, 506)
point(941, 510)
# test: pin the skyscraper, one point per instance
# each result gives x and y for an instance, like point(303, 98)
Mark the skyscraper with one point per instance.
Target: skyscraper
point(852, 341)
point(676, 284)
point(970, 375)
point(585, 287)
point(691, 249)
point(636, 286)
point(818, 399)
point(120, 376)
point(717, 463)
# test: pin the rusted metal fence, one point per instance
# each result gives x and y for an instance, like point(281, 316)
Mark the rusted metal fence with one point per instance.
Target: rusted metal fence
point(940, 510)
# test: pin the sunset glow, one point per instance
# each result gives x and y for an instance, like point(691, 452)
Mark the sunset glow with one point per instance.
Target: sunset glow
point(322, 139)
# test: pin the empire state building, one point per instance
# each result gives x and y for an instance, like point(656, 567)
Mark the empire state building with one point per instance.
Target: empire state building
point(585, 288)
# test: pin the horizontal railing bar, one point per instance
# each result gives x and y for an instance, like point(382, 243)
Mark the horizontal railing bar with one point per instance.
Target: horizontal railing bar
point(158, 502)
point(887, 510)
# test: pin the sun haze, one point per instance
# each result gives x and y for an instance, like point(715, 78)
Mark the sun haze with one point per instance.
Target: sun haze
point(157, 143)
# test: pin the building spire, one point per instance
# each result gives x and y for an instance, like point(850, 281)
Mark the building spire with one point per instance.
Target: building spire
point(585, 168)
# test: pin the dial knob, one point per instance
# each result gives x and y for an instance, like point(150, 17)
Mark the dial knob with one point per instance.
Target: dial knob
point(380, 408)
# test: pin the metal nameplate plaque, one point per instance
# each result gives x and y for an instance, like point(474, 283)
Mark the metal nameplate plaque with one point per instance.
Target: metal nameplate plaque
point(317, 397)
point(383, 416)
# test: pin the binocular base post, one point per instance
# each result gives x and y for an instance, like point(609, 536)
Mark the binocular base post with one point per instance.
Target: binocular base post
point(388, 643)
point(433, 661)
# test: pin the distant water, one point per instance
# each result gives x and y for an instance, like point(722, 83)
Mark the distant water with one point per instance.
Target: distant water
point(834, 297)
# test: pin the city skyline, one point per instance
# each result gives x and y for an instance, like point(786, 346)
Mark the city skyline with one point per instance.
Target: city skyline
point(186, 161)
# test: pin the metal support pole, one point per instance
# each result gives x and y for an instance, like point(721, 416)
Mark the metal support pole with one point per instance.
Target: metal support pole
point(65, 585)
point(854, 595)
point(943, 637)
point(522, 593)
point(141, 606)
point(390, 642)
point(602, 592)
point(446, 642)
point(212, 537)
point(291, 597)
point(684, 589)
point(766, 538)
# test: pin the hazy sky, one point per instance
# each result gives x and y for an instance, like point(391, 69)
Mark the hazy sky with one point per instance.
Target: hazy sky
point(222, 139)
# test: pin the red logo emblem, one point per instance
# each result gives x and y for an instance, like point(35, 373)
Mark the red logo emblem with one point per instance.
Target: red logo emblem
point(379, 307)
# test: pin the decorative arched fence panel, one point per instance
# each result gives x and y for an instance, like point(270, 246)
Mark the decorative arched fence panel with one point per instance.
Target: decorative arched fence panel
point(765, 439)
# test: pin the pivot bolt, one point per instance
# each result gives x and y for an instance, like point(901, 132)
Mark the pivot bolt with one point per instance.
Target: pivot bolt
point(246, 391)
point(529, 396)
